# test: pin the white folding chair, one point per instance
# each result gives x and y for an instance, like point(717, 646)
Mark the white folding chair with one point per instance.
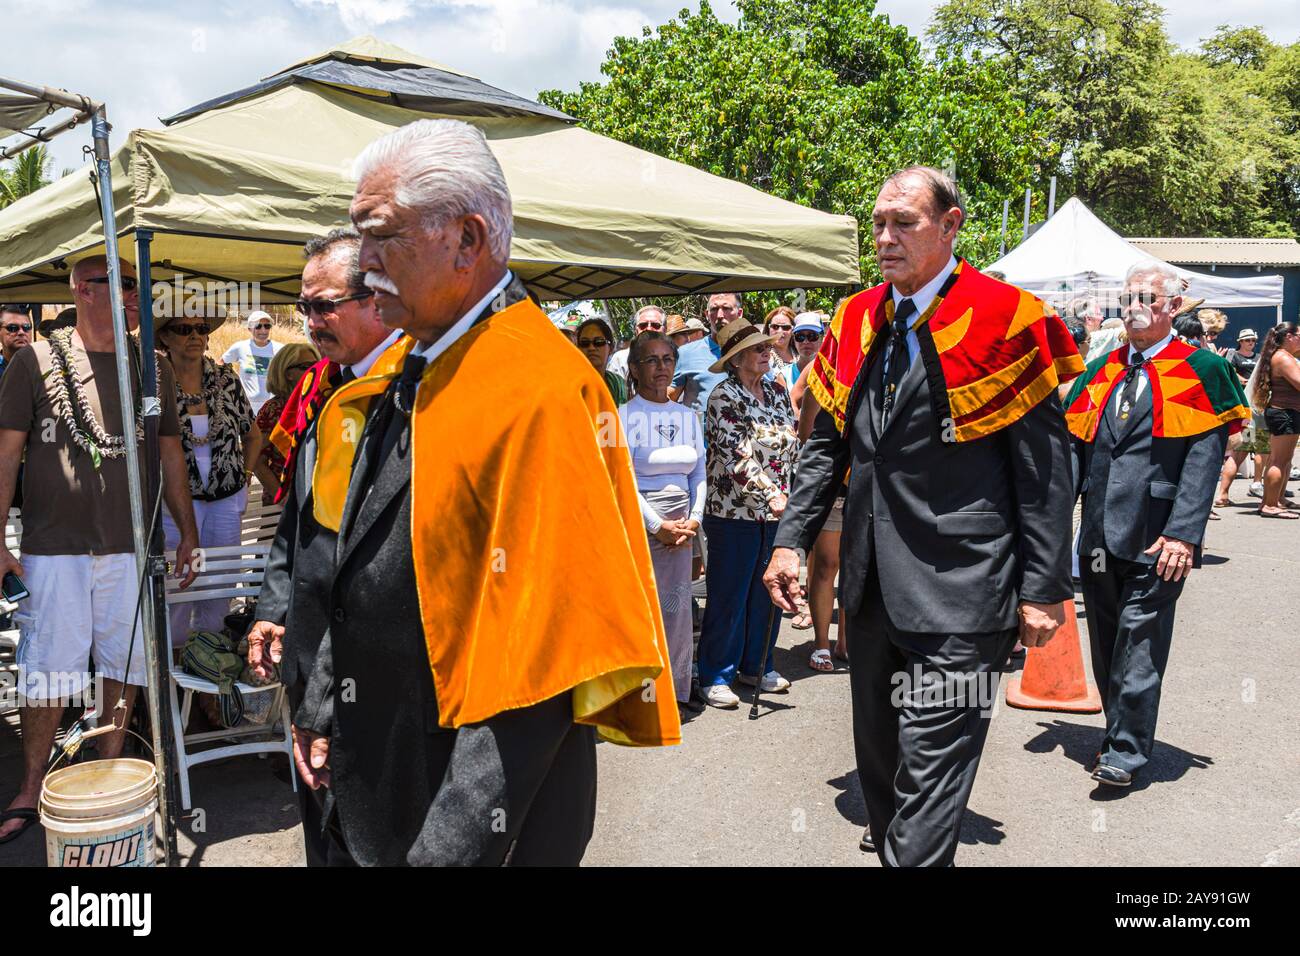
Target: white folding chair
point(228, 572)
point(259, 521)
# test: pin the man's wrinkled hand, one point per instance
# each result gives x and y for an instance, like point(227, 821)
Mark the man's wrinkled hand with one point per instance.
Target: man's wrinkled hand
point(1039, 622)
point(311, 754)
point(186, 565)
point(1175, 561)
point(265, 648)
point(782, 578)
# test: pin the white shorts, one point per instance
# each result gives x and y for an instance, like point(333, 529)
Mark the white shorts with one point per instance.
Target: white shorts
point(80, 607)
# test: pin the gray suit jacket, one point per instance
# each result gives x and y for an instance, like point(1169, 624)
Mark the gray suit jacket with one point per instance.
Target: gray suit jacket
point(959, 532)
point(1137, 487)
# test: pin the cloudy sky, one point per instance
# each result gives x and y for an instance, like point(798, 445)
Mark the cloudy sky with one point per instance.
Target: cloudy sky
point(149, 58)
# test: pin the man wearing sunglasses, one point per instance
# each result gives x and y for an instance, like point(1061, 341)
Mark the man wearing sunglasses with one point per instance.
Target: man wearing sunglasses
point(252, 358)
point(60, 406)
point(648, 318)
point(15, 332)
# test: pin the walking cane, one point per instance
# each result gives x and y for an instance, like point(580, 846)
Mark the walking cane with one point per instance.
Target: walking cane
point(769, 643)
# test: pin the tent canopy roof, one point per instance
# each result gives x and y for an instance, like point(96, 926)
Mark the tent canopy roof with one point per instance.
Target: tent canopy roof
point(232, 191)
point(1074, 253)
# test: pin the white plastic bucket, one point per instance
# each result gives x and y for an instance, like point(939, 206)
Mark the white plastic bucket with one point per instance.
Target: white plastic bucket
point(100, 813)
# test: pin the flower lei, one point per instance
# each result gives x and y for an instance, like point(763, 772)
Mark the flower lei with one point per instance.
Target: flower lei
point(68, 398)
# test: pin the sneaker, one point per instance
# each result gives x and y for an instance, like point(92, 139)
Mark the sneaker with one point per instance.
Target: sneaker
point(720, 695)
point(1256, 489)
point(773, 683)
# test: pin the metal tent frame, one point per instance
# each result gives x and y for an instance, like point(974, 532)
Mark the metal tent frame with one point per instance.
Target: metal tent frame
point(144, 484)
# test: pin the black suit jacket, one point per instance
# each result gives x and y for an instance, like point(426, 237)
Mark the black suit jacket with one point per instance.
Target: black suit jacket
point(959, 532)
point(406, 789)
point(299, 571)
point(1137, 487)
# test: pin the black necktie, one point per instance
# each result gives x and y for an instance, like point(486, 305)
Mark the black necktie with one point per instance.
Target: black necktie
point(899, 359)
point(1129, 395)
point(347, 376)
point(408, 382)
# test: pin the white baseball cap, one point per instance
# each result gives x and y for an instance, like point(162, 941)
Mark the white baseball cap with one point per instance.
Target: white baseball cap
point(808, 322)
point(258, 316)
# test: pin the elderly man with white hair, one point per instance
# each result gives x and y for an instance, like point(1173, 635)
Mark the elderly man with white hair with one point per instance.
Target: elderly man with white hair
point(454, 702)
point(1150, 421)
point(252, 358)
point(648, 318)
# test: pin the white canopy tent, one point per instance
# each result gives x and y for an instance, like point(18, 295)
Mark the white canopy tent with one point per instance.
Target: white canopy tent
point(1075, 253)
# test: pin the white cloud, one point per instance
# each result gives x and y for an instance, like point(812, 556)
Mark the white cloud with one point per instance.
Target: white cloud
point(150, 59)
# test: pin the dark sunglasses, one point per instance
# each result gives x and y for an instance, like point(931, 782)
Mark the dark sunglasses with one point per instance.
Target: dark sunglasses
point(128, 282)
point(328, 306)
point(1146, 298)
point(807, 336)
point(185, 329)
point(599, 343)
point(652, 325)
point(262, 325)
point(779, 328)
point(15, 328)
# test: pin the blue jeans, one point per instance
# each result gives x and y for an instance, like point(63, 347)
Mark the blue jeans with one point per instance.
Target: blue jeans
point(734, 633)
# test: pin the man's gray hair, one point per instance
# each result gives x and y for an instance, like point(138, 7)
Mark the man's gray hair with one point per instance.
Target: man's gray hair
point(445, 170)
point(943, 189)
point(648, 308)
point(1165, 276)
point(345, 241)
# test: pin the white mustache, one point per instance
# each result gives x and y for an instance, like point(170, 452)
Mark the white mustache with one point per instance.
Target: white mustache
point(379, 282)
point(1139, 320)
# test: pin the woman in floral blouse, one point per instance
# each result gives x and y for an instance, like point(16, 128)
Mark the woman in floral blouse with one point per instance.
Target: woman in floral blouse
point(750, 433)
point(220, 444)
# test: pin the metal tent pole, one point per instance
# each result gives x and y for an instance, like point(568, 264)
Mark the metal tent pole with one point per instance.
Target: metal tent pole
point(136, 482)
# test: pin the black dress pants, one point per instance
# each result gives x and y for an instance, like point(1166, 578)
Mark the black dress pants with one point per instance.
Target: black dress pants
point(921, 710)
point(1130, 612)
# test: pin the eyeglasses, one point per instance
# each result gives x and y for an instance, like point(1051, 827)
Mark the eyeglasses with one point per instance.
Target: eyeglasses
point(184, 329)
point(1146, 298)
point(128, 282)
point(659, 361)
point(263, 325)
point(651, 324)
point(593, 343)
point(15, 328)
point(779, 328)
point(328, 306)
point(807, 336)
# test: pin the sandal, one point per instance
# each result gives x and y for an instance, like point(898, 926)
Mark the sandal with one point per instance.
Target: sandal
point(1214, 515)
point(28, 815)
point(1284, 515)
point(802, 620)
point(1222, 503)
point(821, 661)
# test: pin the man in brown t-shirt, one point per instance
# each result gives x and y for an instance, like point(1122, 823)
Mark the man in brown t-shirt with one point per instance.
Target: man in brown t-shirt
point(60, 405)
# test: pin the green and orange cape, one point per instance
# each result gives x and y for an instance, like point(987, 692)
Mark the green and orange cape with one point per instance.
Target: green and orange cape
point(992, 352)
point(1192, 391)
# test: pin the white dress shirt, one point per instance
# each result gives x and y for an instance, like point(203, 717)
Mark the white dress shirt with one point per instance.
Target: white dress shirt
point(1149, 353)
point(432, 350)
point(362, 368)
point(923, 299)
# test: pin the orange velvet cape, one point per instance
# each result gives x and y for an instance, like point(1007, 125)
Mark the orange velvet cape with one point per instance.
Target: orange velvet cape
point(531, 559)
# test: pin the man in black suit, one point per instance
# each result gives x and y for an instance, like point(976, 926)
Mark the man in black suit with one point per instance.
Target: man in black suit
point(293, 603)
point(951, 548)
point(444, 713)
point(1146, 501)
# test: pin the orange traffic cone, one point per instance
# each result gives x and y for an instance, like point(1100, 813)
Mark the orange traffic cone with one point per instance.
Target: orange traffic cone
point(1053, 677)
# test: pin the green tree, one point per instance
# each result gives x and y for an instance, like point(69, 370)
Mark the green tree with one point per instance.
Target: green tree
point(815, 101)
point(1156, 140)
point(28, 172)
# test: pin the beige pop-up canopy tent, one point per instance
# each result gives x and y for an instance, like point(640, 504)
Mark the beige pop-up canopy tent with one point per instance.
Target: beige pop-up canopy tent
point(232, 189)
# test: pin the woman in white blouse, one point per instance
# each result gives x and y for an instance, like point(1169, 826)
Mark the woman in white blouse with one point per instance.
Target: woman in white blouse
point(668, 459)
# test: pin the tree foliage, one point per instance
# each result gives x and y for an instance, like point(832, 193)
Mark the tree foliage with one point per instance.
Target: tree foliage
point(816, 101)
point(29, 171)
point(1158, 141)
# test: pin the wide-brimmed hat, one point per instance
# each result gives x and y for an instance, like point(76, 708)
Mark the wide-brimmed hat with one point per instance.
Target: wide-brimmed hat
point(214, 322)
point(736, 336)
point(674, 325)
point(1247, 334)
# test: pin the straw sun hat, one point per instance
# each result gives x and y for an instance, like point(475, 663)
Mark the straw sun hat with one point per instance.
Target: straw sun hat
point(736, 336)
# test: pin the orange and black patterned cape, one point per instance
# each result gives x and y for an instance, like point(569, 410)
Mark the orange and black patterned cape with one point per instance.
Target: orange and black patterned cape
point(992, 352)
point(1192, 392)
point(304, 403)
